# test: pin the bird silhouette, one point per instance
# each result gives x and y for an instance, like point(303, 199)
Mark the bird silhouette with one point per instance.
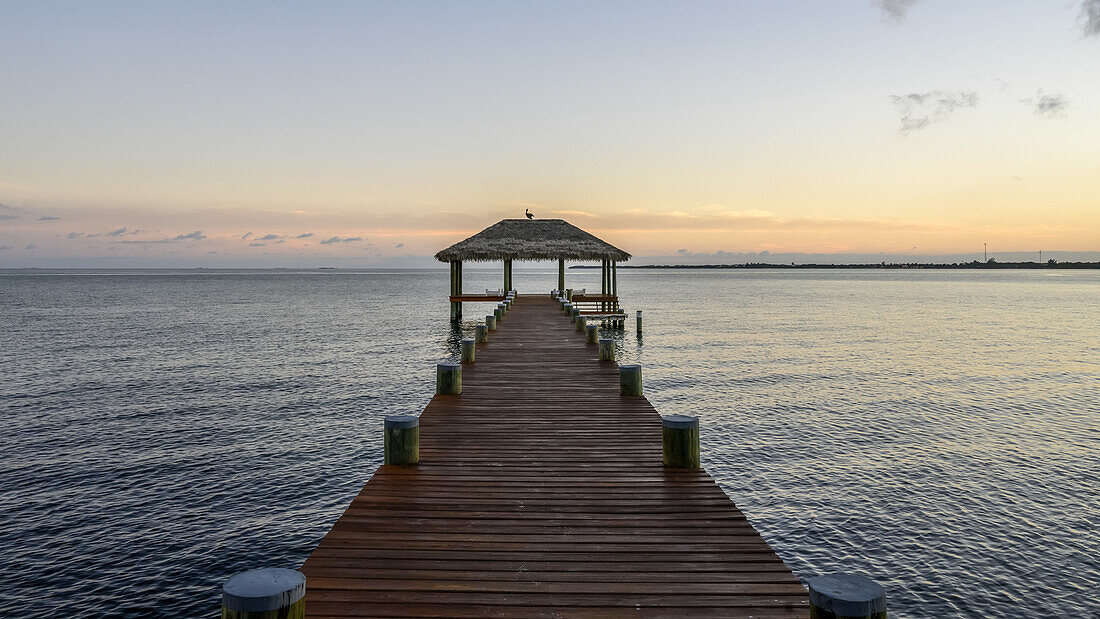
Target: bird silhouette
point(527, 211)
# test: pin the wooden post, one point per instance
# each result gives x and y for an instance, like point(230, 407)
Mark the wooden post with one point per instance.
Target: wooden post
point(507, 275)
point(639, 323)
point(630, 379)
point(591, 333)
point(846, 595)
point(615, 278)
point(468, 350)
point(579, 321)
point(481, 334)
point(448, 378)
point(607, 349)
point(491, 322)
point(568, 308)
point(498, 313)
point(681, 441)
point(402, 440)
point(267, 593)
point(574, 311)
point(561, 275)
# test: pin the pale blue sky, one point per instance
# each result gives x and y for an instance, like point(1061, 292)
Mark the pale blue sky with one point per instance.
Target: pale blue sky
point(733, 126)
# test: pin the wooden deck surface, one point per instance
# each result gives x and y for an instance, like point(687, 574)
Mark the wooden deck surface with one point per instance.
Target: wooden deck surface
point(541, 493)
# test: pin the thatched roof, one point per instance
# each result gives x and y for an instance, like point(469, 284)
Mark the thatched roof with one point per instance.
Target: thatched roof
point(532, 239)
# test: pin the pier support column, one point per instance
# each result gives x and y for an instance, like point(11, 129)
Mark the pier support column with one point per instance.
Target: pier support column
point(607, 349)
point(481, 334)
point(402, 439)
point(579, 322)
point(468, 351)
point(591, 333)
point(681, 441)
point(844, 596)
point(639, 323)
point(561, 275)
point(498, 313)
point(268, 593)
point(456, 290)
point(448, 378)
point(491, 322)
point(630, 379)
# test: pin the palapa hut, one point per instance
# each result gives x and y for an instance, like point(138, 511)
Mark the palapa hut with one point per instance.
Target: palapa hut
point(532, 239)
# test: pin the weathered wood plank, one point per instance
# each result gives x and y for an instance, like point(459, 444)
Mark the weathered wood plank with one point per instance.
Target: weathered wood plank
point(541, 493)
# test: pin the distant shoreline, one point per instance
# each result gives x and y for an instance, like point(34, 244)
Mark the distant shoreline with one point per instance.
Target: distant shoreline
point(884, 265)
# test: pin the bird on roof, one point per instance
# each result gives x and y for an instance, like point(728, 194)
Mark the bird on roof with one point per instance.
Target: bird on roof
point(527, 211)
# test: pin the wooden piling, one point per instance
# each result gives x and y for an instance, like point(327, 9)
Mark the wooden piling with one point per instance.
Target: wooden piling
point(846, 596)
point(607, 349)
point(579, 322)
point(639, 314)
point(402, 440)
point(267, 593)
point(468, 351)
point(498, 313)
point(591, 334)
point(491, 322)
point(630, 380)
point(448, 378)
point(680, 435)
point(481, 334)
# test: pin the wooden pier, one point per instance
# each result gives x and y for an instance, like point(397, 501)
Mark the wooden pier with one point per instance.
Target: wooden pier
point(541, 493)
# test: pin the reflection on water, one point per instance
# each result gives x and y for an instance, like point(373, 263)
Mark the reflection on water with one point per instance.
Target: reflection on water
point(938, 431)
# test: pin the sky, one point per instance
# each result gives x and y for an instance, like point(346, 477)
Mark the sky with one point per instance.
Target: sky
point(376, 133)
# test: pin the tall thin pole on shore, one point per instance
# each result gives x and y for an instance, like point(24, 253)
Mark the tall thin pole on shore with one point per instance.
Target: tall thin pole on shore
point(985, 252)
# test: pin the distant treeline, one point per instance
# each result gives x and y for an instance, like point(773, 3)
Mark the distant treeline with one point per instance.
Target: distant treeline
point(884, 265)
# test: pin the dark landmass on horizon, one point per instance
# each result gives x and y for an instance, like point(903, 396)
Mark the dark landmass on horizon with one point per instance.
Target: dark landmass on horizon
point(884, 265)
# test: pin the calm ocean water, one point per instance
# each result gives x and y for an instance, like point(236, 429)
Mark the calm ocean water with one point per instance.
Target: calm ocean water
point(937, 431)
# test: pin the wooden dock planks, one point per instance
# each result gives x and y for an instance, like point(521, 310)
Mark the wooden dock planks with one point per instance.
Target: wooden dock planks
point(541, 493)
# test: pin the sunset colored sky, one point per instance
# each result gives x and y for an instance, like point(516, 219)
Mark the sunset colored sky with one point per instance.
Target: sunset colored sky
point(368, 133)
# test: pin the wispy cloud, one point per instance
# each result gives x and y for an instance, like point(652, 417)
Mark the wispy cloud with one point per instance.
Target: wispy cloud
point(920, 109)
point(118, 232)
point(894, 9)
point(197, 235)
point(49, 218)
point(1090, 17)
point(336, 239)
point(268, 237)
point(1051, 106)
point(256, 245)
point(304, 235)
point(31, 246)
point(244, 237)
point(5, 247)
point(9, 212)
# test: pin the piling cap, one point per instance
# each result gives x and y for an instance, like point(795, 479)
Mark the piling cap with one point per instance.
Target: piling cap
point(264, 589)
point(679, 422)
point(630, 368)
point(402, 422)
point(847, 595)
point(468, 340)
point(607, 340)
point(448, 366)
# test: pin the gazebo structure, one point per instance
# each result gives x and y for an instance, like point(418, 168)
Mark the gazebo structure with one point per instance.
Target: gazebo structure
point(535, 239)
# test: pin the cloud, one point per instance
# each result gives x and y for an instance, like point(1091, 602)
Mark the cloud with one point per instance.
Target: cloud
point(31, 246)
point(49, 218)
point(9, 212)
point(304, 235)
point(1090, 17)
point(114, 233)
point(244, 237)
point(920, 109)
point(5, 247)
point(255, 244)
point(268, 237)
point(1051, 106)
point(894, 9)
point(197, 235)
point(683, 252)
point(74, 235)
point(399, 245)
point(336, 239)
